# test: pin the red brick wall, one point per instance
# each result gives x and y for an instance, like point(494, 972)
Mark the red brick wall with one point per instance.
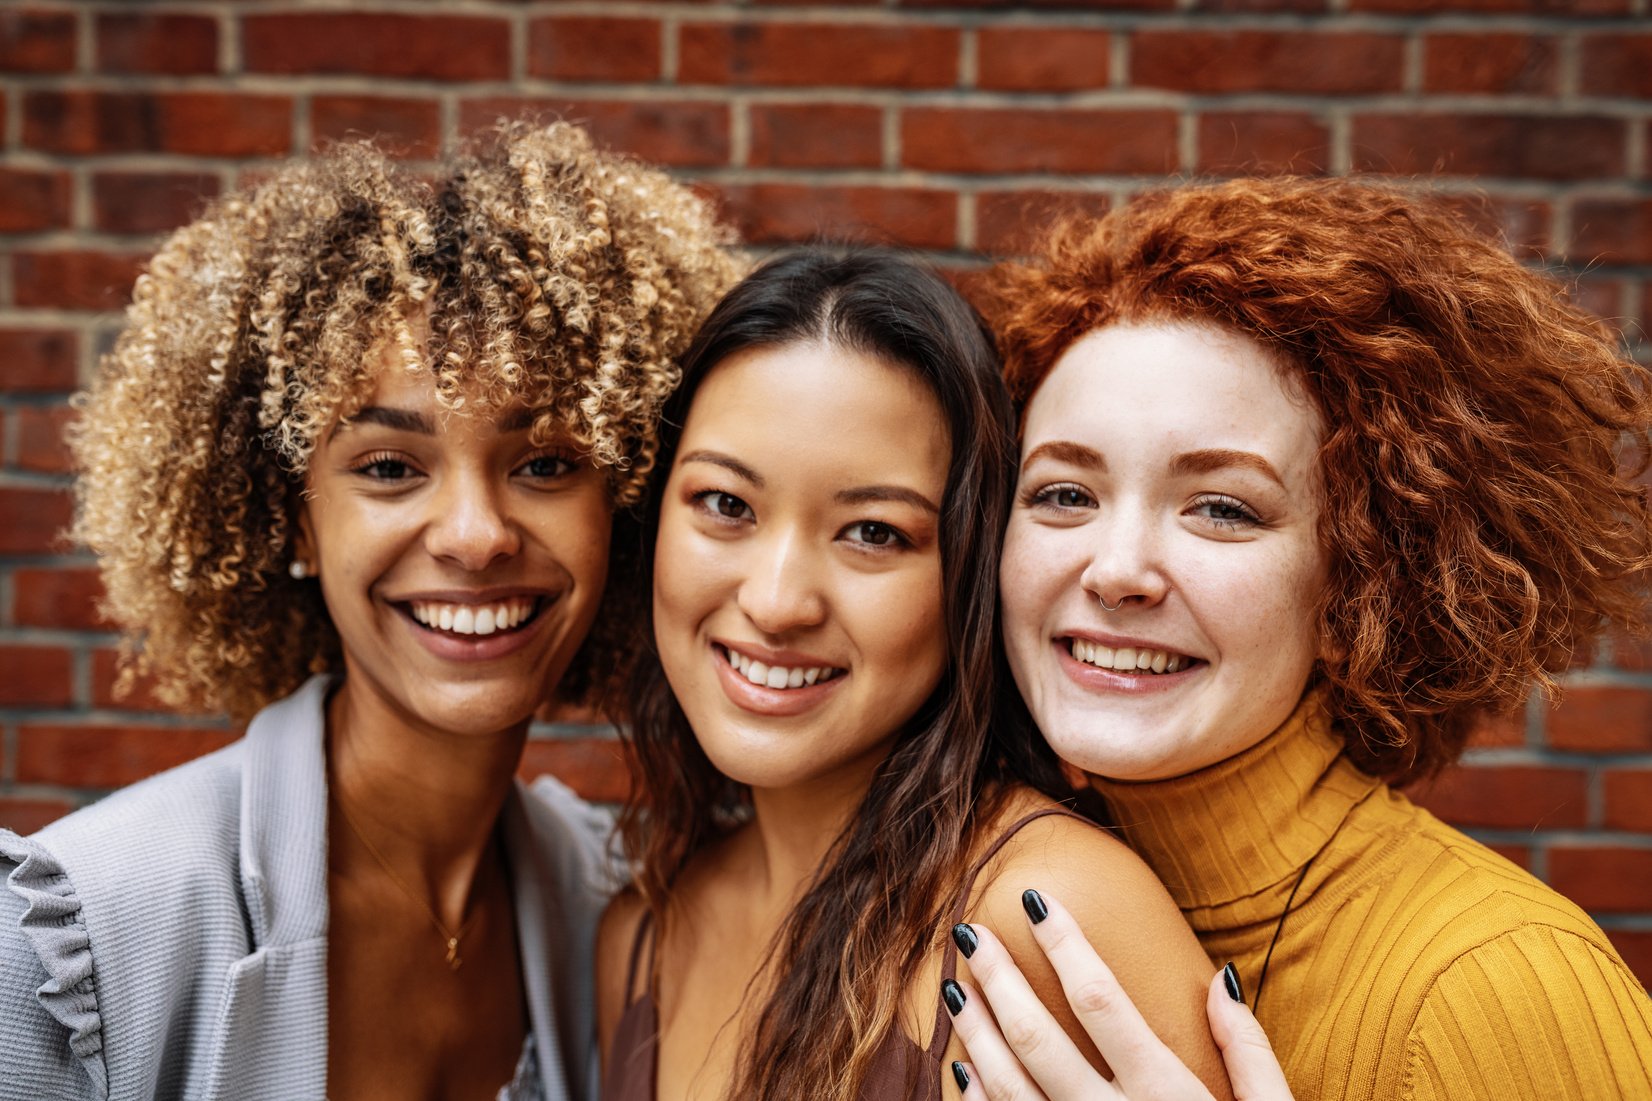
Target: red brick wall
point(951, 126)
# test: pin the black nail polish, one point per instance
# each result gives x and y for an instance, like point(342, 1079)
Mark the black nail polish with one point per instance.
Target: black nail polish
point(1230, 980)
point(953, 995)
point(966, 940)
point(960, 1076)
point(1033, 903)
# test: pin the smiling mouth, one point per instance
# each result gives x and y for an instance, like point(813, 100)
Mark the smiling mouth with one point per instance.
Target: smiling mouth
point(777, 676)
point(500, 617)
point(1132, 660)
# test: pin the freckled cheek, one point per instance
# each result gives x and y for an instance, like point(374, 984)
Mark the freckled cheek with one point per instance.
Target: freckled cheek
point(1034, 573)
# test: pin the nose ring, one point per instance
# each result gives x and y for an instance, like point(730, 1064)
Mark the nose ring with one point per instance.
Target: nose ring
point(1110, 607)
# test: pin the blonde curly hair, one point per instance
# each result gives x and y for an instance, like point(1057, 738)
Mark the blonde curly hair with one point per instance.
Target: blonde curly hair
point(548, 272)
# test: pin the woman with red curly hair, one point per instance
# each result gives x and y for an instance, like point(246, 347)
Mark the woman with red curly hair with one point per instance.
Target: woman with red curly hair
point(1314, 478)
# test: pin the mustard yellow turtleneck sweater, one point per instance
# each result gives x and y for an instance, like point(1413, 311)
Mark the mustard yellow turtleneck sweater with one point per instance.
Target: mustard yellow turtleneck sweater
point(1415, 963)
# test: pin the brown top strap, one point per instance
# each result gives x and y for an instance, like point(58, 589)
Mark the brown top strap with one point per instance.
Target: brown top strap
point(645, 932)
point(949, 955)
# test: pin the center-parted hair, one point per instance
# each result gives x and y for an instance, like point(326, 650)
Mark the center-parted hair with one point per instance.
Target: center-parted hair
point(1483, 435)
point(845, 956)
point(546, 271)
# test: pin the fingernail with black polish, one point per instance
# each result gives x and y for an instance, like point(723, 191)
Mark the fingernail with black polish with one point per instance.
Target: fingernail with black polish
point(960, 1076)
point(1230, 980)
point(966, 940)
point(1033, 903)
point(953, 995)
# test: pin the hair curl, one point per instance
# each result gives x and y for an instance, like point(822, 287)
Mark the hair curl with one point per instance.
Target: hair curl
point(549, 272)
point(1483, 434)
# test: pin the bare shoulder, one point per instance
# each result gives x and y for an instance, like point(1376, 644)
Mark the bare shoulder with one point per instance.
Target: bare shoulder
point(616, 935)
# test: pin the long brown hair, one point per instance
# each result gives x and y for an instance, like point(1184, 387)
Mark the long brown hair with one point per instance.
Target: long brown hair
point(853, 943)
point(1483, 438)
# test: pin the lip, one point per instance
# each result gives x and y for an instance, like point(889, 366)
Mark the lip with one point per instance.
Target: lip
point(1093, 678)
point(475, 648)
point(774, 702)
point(491, 595)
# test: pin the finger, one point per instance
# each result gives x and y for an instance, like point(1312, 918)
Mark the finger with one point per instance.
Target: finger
point(1142, 1065)
point(1038, 1041)
point(993, 1067)
point(1252, 1067)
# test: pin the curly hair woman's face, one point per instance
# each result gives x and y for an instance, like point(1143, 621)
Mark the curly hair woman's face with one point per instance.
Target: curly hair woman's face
point(461, 564)
point(1162, 569)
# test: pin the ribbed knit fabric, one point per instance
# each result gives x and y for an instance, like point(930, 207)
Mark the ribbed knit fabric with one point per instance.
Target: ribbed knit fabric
point(1415, 963)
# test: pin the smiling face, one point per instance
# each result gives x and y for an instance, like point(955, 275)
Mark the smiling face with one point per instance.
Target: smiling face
point(1168, 471)
point(797, 578)
point(461, 564)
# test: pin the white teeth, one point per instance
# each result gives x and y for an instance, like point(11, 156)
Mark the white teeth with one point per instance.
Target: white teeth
point(470, 619)
point(777, 676)
point(1128, 659)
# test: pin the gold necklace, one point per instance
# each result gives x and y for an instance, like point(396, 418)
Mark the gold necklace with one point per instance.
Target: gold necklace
point(452, 938)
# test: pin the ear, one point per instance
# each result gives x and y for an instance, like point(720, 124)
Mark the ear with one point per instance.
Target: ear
point(304, 545)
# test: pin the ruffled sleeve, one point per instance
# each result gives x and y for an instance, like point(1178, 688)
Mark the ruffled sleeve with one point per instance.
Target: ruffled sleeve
point(50, 1027)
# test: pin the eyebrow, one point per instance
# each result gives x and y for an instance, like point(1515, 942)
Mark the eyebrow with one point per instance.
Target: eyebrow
point(1066, 451)
point(1219, 458)
point(408, 420)
point(727, 462)
point(863, 494)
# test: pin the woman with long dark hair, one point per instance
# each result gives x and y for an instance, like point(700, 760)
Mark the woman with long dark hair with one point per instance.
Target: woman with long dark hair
point(822, 793)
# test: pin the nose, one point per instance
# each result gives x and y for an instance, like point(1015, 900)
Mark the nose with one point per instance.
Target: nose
point(1126, 565)
point(469, 525)
point(781, 591)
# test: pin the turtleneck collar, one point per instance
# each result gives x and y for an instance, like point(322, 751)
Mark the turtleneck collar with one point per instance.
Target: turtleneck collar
point(1247, 825)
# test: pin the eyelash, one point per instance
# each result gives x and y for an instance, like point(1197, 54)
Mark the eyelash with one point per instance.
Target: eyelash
point(381, 459)
point(1247, 517)
point(898, 540)
point(1045, 497)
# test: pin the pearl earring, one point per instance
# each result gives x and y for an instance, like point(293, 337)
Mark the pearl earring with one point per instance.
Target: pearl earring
point(298, 570)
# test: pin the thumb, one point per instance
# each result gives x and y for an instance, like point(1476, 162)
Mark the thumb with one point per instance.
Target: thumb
point(1252, 1067)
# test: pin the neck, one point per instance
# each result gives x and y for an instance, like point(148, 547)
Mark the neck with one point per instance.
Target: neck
point(794, 829)
point(422, 801)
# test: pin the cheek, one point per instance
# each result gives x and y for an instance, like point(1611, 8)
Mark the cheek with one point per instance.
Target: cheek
point(1029, 581)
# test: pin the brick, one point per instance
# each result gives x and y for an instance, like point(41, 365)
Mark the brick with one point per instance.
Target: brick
point(1234, 6)
point(107, 756)
point(421, 47)
point(1603, 878)
point(1617, 65)
point(1628, 793)
point(32, 521)
point(1523, 224)
point(689, 135)
point(1013, 222)
point(60, 598)
point(38, 361)
point(1599, 295)
point(1564, 8)
point(1319, 63)
point(40, 445)
point(1499, 730)
point(1495, 64)
point(1518, 855)
point(74, 280)
point(1538, 147)
point(1629, 652)
point(998, 139)
point(1602, 719)
point(815, 135)
point(594, 48)
point(36, 676)
point(409, 126)
point(32, 200)
point(149, 202)
point(36, 41)
point(25, 816)
point(795, 213)
point(1054, 5)
point(818, 54)
point(106, 672)
point(593, 767)
point(152, 43)
point(1514, 797)
point(208, 124)
point(1611, 231)
point(1243, 143)
point(1038, 59)
point(1635, 946)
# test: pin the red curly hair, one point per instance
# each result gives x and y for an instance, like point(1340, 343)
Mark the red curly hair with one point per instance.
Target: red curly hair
point(1483, 434)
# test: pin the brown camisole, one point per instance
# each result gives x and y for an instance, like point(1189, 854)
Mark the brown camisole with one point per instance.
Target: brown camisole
point(633, 1060)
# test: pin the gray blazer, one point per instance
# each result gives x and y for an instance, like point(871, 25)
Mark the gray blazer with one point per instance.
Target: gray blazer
point(170, 941)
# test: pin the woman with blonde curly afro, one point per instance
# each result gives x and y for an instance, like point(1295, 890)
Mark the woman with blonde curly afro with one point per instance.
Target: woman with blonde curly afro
point(350, 472)
point(1314, 478)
